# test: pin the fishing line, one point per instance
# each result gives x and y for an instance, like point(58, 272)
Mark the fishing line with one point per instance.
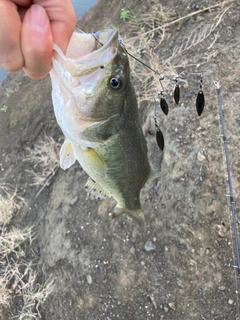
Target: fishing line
point(161, 76)
point(231, 198)
point(123, 46)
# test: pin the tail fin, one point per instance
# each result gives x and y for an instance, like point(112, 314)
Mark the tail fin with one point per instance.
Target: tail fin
point(136, 214)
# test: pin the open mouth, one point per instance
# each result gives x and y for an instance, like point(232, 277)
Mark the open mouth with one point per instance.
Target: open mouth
point(87, 52)
point(82, 44)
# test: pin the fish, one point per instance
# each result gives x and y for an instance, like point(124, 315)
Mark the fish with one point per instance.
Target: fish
point(96, 107)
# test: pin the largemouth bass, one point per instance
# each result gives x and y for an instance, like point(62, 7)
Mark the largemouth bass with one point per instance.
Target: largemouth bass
point(95, 106)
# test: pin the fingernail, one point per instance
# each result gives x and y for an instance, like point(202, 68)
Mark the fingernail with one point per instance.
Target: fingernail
point(38, 17)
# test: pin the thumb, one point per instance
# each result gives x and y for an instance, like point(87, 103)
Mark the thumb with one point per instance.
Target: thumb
point(36, 42)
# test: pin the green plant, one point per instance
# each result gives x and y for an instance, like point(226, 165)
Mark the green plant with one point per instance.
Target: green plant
point(4, 108)
point(161, 14)
point(129, 14)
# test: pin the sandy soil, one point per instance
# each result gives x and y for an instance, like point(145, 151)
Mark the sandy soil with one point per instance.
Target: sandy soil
point(100, 266)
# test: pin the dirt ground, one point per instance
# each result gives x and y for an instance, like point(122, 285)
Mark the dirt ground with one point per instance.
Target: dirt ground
point(99, 265)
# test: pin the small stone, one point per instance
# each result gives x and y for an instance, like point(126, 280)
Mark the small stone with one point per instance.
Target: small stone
point(153, 300)
point(172, 305)
point(149, 246)
point(230, 301)
point(221, 288)
point(201, 157)
point(132, 250)
point(89, 279)
point(192, 263)
point(74, 200)
point(165, 309)
point(221, 231)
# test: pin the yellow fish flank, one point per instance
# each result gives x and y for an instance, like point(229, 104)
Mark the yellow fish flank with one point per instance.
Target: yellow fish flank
point(95, 106)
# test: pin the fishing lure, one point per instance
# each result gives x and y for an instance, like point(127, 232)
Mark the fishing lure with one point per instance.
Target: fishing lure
point(159, 135)
point(163, 104)
point(200, 102)
point(176, 93)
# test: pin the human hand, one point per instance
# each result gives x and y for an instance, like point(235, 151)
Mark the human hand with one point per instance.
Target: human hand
point(28, 30)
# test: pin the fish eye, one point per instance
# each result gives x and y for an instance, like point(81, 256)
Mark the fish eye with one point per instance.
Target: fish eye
point(115, 82)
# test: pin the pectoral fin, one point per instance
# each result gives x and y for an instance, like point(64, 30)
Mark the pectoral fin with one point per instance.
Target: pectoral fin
point(67, 157)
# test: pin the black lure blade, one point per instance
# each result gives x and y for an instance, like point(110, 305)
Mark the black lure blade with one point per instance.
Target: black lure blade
point(176, 94)
point(164, 106)
point(200, 102)
point(160, 139)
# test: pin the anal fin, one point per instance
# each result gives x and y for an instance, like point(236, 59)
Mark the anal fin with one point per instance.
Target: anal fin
point(96, 191)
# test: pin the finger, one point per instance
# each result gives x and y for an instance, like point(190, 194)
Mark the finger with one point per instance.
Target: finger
point(23, 3)
point(36, 42)
point(11, 58)
point(63, 20)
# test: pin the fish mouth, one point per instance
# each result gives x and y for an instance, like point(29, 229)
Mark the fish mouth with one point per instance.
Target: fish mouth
point(87, 52)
